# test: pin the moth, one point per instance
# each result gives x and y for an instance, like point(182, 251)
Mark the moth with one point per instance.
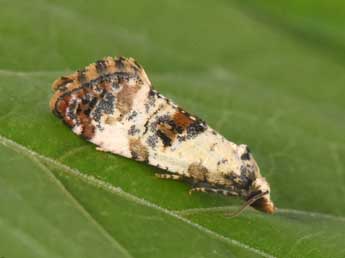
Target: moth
point(112, 104)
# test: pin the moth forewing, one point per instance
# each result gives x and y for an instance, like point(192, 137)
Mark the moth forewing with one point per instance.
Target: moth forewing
point(112, 104)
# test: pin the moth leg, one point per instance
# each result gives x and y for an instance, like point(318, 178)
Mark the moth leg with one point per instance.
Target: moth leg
point(169, 176)
point(213, 190)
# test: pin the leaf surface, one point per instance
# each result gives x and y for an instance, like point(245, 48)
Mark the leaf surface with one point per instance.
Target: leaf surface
point(254, 82)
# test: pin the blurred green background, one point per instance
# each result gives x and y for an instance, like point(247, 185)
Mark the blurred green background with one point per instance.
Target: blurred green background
point(269, 74)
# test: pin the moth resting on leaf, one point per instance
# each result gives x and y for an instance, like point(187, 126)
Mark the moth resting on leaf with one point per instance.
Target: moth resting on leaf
point(112, 104)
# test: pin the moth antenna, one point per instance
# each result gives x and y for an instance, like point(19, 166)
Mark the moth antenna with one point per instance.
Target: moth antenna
point(246, 204)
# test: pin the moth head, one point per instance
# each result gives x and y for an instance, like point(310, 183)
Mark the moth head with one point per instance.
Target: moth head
point(259, 189)
point(259, 196)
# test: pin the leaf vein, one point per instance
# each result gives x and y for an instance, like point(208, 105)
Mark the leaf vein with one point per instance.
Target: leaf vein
point(319, 215)
point(37, 160)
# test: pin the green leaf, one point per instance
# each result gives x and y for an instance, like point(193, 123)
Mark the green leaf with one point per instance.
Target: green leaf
point(39, 218)
point(318, 22)
point(251, 80)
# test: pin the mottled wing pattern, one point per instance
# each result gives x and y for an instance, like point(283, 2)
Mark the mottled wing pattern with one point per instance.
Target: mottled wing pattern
point(112, 104)
point(83, 98)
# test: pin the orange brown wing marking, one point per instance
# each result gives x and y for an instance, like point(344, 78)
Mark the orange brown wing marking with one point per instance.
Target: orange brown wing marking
point(125, 98)
point(87, 74)
point(76, 112)
point(181, 126)
point(61, 110)
point(69, 87)
point(91, 73)
point(110, 63)
point(182, 119)
point(60, 83)
point(88, 130)
point(76, 95)
point(138, 150)
point(168, 130)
